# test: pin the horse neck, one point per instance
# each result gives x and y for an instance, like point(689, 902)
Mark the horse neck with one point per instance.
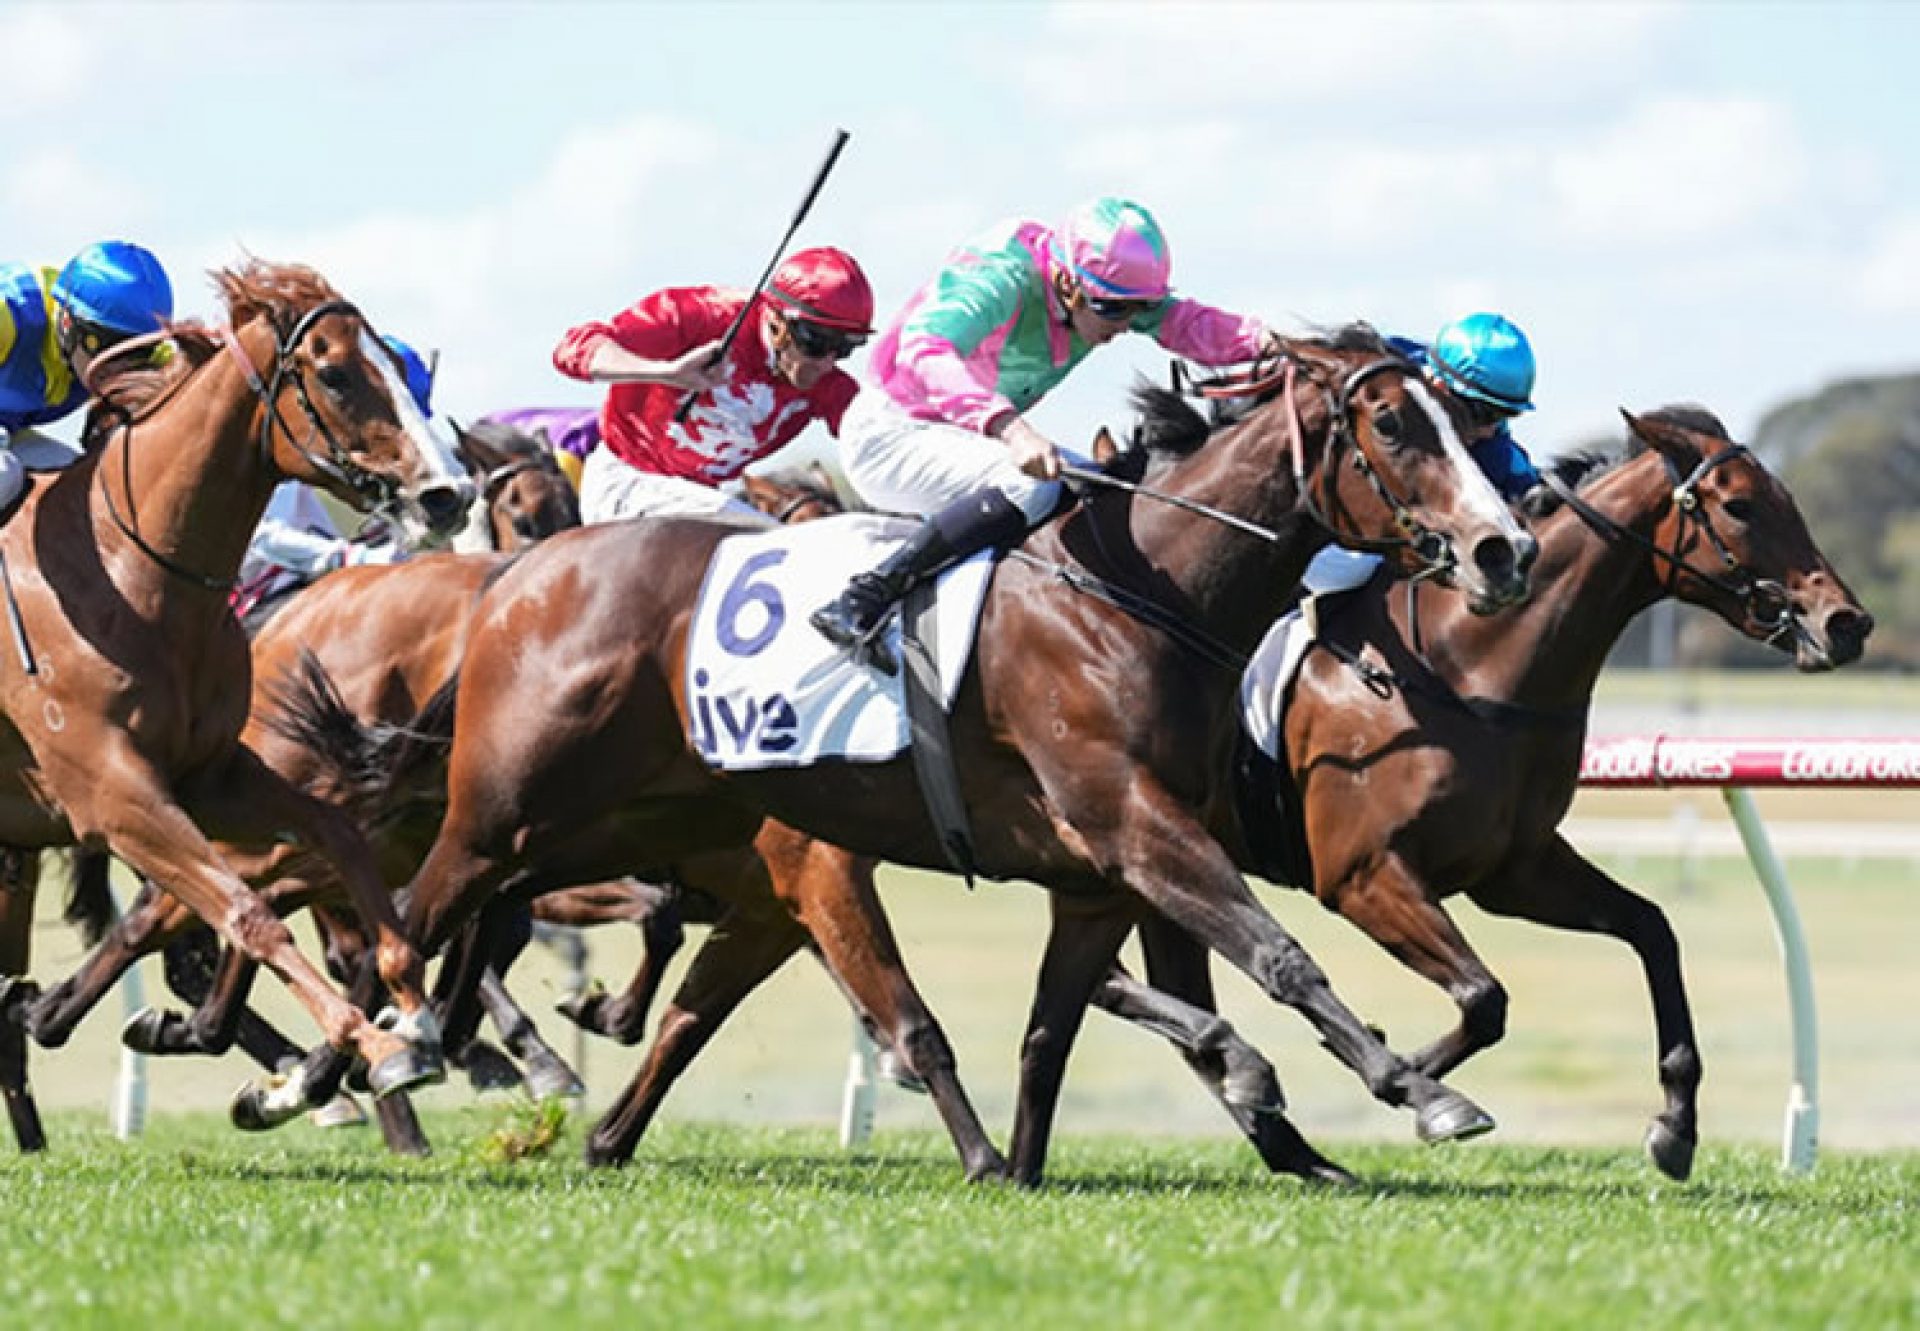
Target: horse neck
point(1230, 582)
point(1548, 652)
point(188, 479)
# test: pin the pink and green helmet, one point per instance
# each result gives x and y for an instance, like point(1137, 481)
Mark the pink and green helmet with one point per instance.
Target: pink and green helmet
point(1116, 248)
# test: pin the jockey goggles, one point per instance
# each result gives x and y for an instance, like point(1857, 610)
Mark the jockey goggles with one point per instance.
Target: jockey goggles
point(817, 342)
point(1484, 415)
point(1113, 309)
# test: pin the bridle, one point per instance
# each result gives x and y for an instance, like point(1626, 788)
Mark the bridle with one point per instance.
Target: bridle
point(379, 493)
point(1765, 601)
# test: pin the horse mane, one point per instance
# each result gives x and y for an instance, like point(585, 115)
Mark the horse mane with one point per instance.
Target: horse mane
point(1583, 465)
point(1170, 426)
point(127, 388)
point(281, 292)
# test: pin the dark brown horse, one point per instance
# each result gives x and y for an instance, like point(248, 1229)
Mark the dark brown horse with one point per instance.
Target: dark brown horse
point(1429, 752)
point(1087, 736)
point(526, 496)
point(124, 707)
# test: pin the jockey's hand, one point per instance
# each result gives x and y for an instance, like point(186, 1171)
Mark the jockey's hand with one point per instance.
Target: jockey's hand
point(693, 371)
point(1030, 450)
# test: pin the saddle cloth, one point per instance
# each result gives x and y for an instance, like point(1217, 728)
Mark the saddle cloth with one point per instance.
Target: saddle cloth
point(1269, 674)
point(765, 690)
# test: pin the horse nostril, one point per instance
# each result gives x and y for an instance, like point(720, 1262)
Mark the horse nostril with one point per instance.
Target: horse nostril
point(445, 505)
point(1847, 632)
point(1500, 559)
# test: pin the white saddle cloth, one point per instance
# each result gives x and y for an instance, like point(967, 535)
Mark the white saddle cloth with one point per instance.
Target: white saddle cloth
point(765, 689)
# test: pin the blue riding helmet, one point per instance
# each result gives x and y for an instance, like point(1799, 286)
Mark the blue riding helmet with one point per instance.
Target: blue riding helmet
point(1485, 357)
point(419, 377)
point(117, 285)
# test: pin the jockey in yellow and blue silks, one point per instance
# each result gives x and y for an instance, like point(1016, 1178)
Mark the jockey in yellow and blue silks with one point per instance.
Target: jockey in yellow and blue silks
point(53, 327)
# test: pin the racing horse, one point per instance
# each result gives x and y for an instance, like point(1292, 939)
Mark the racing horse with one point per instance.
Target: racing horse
point(1429, 753)
point(1083, 734)
point(123, 695)
point(389, 636)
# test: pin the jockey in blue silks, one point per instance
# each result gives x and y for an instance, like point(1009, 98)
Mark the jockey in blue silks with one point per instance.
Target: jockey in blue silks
point(53, 326)
point(1485, 361)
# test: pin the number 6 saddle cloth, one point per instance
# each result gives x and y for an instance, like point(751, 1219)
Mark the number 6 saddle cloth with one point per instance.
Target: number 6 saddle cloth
point(764, 689)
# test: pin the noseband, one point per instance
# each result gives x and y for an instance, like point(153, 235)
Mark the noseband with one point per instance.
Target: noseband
point(1765, 601)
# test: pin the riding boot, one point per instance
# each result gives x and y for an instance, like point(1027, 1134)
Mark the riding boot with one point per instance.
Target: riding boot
point(986, 517)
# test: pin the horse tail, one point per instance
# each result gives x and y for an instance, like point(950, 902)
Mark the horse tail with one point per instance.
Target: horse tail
point(90, 906)
point(365, 762)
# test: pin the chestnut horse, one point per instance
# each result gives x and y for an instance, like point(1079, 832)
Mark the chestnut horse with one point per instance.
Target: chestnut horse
point(1084, 736)
point(389, 636)
point(1429, 753)
point(122, 722)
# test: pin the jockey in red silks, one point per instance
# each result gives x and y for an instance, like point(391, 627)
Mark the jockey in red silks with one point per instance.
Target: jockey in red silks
point(779, 374)
point(1010, 315)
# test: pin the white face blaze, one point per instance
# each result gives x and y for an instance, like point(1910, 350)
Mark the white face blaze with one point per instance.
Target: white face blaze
point(436, 451)
point(1476, 490)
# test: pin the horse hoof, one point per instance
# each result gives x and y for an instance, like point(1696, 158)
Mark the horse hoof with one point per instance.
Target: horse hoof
point(343, 1111)
point(1452, 1118)
point(599, 1155)
point(1672, 1150)
point(415, 1065)
point(990, 1168)
point(260, 1106)
point(17, 994)
point(894, 1068)
point(1326, 1174)
point(144, 1031)
point(488, 1069)
point(550, 1079)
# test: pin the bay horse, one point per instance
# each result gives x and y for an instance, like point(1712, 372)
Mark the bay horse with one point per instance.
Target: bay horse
point(525, 496)
point(1085, 734)
point(124, 709)
point(1431, 753)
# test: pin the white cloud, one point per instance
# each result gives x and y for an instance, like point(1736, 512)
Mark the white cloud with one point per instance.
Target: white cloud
point(49, 55)
point(1888, 279)
point(1091, 59)
point(1681, 169)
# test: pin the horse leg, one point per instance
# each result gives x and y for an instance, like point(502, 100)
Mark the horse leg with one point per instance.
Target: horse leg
point(623, 1017)
point(1169, 859)
point(1232, 1070)
point(151, 920)
point(1082, 944)
point(154, 835)
point(1565, 891)
point(831, 892)
point(211, 1027)
point(548, 1076)
point(742, 951)
point(1393, 906)
point(18, 879)
point(251, 804)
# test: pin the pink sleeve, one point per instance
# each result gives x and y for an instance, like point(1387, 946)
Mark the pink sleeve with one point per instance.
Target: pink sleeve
point(1212, 337)
point(930, 373)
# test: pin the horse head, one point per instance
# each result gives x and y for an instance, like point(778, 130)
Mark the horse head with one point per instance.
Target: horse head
point(527, 497)
point(1732, 539)
point(1395, 477)
point(795, 496)
point(335, 411)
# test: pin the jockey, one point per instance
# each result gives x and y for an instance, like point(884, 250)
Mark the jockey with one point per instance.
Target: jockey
point(54, 326)
point(297, 540)
point(1486, 361)
point(779, 374)
point(1009, 317)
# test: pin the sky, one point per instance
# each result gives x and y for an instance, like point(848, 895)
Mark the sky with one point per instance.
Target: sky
point(1715, 203)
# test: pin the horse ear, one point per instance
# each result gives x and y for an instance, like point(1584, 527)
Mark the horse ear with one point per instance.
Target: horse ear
point(1663, 435)
point(541, 438)
point(1105, 450)
point(1308, 353)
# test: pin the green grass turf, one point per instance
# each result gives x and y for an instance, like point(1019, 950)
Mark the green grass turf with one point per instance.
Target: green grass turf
point(196, 1226)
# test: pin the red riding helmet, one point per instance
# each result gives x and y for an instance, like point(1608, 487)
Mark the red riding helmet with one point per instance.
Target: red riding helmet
point(824, 286)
